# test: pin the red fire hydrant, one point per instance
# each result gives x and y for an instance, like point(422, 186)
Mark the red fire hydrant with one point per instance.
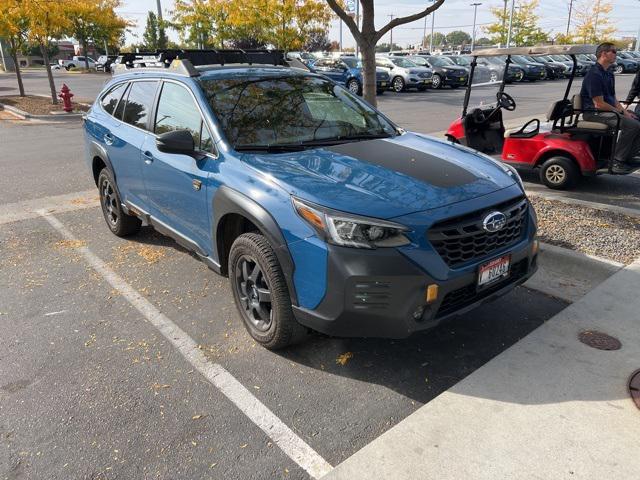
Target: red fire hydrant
point(66, 96)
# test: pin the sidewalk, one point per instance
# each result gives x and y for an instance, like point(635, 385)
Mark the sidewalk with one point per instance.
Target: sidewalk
point(547, 408)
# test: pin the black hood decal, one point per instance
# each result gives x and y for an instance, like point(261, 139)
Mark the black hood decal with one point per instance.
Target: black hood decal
point(408, 161)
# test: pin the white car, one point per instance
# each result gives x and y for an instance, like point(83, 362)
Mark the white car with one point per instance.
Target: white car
point(78, 61)
point(405, 74)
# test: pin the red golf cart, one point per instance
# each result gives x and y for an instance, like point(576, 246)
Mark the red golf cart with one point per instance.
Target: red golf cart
point(563, 150)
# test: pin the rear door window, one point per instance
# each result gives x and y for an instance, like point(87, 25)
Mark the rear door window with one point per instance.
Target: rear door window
point(178, 111)
point(139, 102)
point(111, 99)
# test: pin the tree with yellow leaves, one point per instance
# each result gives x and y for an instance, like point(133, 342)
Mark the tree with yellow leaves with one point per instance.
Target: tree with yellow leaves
point(202, 23)
point(94, 21)
point(14, 25)
point(592, 21)
point(48, 21)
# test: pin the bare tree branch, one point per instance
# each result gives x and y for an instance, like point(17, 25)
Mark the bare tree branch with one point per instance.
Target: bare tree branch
point(333, 4)
point(411, 18)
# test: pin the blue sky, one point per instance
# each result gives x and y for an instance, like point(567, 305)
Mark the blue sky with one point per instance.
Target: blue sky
point(453, 15)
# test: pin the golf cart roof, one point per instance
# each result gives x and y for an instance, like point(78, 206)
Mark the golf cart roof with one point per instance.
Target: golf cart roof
point(548, 50)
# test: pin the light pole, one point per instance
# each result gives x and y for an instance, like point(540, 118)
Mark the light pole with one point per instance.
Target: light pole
point(569, 21)
point(391, 31)
point(424, 33)
point(473, 33)
point(513, 4)
point(433, 20)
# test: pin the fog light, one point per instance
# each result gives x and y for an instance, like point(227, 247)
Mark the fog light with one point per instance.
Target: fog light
point(432, 293)
point(417, 315)
point(536, 246)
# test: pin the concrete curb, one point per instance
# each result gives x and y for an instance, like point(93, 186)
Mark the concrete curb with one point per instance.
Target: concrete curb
point(630, 212)
point(569, 275)
point(54, 117)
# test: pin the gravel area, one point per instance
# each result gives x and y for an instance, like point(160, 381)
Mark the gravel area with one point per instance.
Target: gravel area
point(596, 232)
point(38, 105)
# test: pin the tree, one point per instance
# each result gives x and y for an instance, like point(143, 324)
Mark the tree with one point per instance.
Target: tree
point(154, 36)
point(458, 38)
point(48, 21)
point(285, 24)
point(203, 23)
point(317, 41)
point(367, 37)
point(482, 41)
point(93, 21)
point(385, 47)
point(439, 39)
point(524, 26)
point(14, 24)
point(592, 21)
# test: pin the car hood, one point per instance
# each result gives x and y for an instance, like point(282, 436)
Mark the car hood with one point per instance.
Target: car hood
point(384, 178)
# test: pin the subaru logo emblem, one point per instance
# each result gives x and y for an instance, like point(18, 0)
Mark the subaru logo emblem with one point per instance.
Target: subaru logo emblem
point(494, 222)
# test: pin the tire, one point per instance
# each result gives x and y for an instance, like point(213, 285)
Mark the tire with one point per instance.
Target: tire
point(618, 69)
point(254, 271)
point(70, 66)
point(559, 173)
point(120, 223)
point(354, 87)
point(436, 81)
point(398, 84)
point(493, 77)
point(453, 139)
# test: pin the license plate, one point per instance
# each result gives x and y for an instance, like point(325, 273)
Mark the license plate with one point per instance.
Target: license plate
point(425, 81)
point(493, 271)
point(383, 84)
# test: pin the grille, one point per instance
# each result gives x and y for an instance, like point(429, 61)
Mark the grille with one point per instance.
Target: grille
point(463, 239)
point(371, 295)
point(424, 75)
point(464, 296)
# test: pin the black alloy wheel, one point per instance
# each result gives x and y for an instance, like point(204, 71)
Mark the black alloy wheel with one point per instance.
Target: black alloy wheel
point(261, 294)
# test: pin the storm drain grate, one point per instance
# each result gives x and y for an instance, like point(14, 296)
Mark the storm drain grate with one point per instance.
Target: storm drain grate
point(634, 387)
point(599, 340)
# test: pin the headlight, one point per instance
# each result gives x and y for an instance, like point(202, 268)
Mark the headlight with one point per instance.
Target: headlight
point(513, 173)
point(350, 230)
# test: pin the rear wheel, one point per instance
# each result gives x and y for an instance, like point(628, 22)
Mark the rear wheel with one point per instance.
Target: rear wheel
point(559, 173)
point(493, 77)
point(398, 84)
point(619, 69)
point(261, 294)
point(120, 223)
point(70, 66)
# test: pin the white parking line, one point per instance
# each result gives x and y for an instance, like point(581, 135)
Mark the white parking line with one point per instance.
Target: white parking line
point(14, 212)
point(292, 445)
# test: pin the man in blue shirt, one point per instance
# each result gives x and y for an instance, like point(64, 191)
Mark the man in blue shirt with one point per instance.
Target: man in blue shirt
point(599, 93)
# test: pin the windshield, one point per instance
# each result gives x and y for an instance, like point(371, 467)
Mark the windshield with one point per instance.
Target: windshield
point(519, 59)
point(558, 58)
point(421, 62)
point(403, 62)
point(441, 61)
point(258, 112)
point(464, 61)
point(352, 62)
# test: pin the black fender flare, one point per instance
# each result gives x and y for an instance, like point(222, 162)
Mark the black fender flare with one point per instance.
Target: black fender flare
point(229, 201)
point(97, 150)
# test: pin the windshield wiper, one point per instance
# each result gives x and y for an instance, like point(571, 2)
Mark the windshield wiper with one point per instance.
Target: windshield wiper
point(296, 147)
point(285, 147)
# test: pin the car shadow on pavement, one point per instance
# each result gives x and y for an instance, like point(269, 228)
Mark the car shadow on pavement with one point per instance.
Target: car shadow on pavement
point(429, 363)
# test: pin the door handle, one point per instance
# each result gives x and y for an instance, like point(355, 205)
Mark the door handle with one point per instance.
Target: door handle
point(108, 139)
point(148, 158)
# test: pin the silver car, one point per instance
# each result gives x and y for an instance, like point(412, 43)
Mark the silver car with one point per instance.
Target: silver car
point(405, 74)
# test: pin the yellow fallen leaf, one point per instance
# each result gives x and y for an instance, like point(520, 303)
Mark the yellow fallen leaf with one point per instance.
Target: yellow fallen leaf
point(244, 446)
point(344, 358)
point(197, 417)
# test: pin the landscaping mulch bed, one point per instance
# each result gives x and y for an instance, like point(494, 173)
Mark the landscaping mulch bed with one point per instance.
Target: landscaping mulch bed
point(38, 105)
point(596, 232)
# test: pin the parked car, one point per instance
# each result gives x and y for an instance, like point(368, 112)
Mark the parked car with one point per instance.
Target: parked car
point(323, 213)
point(347, 71)
point(555, 70)
point(515, 73)
point(532, 70)
point(625, 63)
point(77, 62)
point(405, 74)
point(589, 59)
point(581, 66)
point(103, 64)
point(482, 73)
point(445, 72)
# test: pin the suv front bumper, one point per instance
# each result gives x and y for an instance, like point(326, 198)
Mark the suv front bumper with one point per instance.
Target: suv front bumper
point(381, 293)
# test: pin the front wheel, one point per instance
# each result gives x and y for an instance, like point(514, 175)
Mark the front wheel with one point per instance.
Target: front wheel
point(398, 84)
point(436, 81)
point(69, 67)
point(261, 294)
point(354, 86)
point(618, 69)
point(559, 173)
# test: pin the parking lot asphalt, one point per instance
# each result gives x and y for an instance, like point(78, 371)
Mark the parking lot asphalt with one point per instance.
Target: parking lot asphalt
point(89, 388)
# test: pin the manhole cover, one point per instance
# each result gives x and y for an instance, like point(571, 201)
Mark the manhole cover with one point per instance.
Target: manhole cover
point(634, 387)
point(599, 340)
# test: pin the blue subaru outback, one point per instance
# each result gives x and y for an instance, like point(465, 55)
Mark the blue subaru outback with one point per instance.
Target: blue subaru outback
point(323, 214)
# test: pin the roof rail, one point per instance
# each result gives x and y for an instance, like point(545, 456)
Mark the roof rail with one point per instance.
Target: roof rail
point(183, 62)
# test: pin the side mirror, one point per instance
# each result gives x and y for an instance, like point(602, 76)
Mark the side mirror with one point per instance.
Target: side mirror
point(176, 141)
